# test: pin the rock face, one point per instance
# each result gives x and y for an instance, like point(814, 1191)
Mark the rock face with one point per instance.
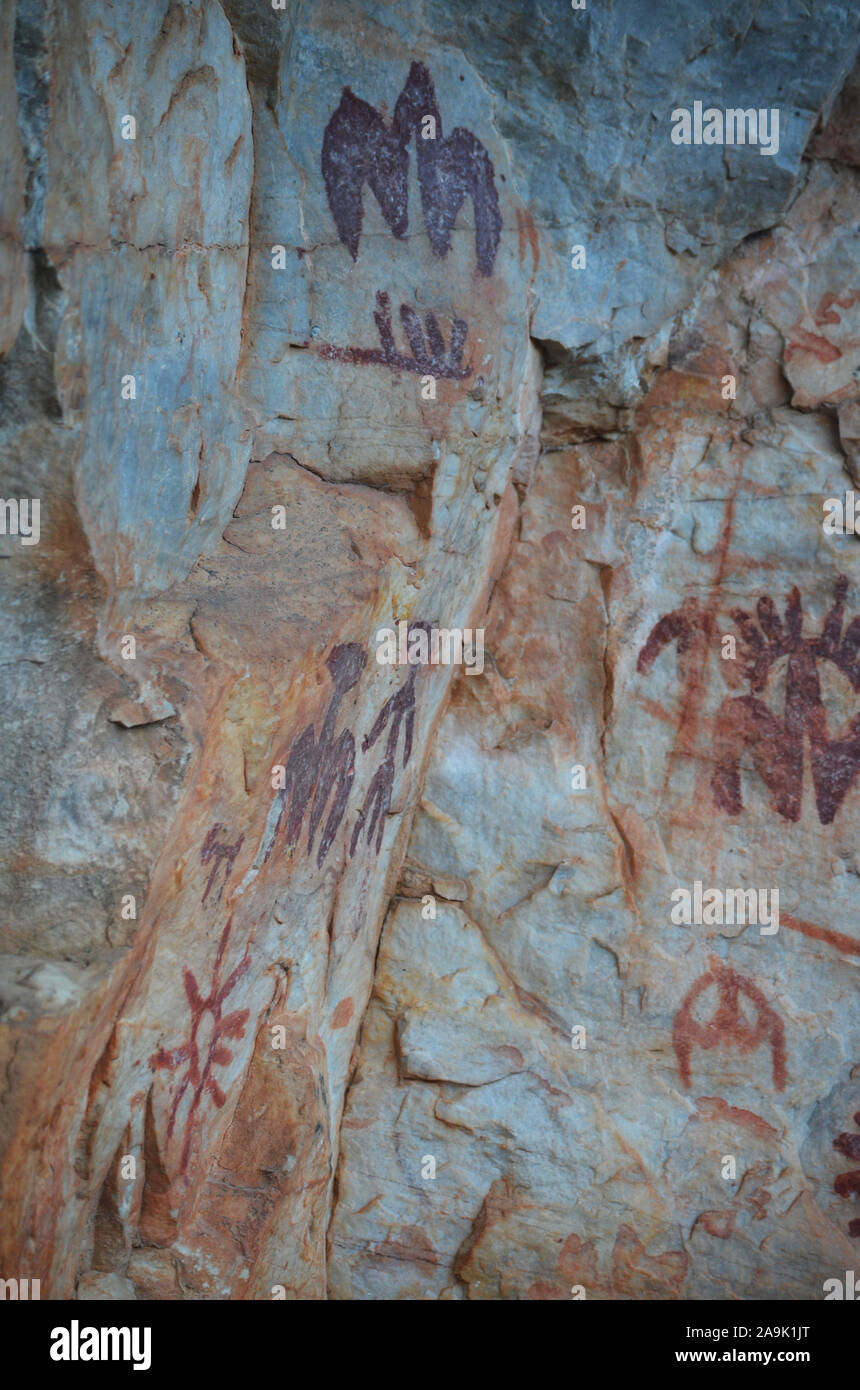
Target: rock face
point(324, 977)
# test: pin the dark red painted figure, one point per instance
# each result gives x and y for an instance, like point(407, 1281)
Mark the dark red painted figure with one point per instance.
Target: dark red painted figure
point(682, 626)
point(429, 356)
point(776, 745)
point(225, 1027)
point(218, 850)
point(359, 148)
point(321, 767)
point(728, 1026)
point(399, 706)
point(848, 1184)
point(745, 724)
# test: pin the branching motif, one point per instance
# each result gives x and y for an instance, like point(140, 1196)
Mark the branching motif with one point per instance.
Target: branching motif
point(225, 1027)
point(429, 356)
point(776, 745)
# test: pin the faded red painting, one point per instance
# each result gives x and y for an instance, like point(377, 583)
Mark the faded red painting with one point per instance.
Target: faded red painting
point(199, 1062)
point(728, 1026)
point(848, 1184)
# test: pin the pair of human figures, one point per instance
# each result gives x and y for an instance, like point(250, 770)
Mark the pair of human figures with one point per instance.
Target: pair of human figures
point(744, 723)
point(319, 771)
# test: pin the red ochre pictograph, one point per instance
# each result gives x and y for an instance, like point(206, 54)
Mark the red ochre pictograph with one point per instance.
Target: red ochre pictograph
point(225, 1027)
point(745, 723)
point(728, 1026)
point(848, 1184)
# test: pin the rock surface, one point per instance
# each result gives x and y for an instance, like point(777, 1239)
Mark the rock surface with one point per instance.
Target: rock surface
point(300, 950)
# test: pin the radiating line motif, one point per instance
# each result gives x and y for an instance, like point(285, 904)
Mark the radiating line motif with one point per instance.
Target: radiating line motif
point(428, 355)
point(745, 724)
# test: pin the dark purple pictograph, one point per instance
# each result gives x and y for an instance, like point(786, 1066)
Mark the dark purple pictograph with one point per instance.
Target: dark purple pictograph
point(776, 744)
point(322, 768)
point(399, 707)
point(220, 852)
point(744, 724)
point(360, 148)
point(319, 771)
point(429, 355)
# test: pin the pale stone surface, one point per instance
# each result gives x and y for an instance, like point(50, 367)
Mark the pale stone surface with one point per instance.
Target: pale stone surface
point(467, 1054)
point(236, 1085)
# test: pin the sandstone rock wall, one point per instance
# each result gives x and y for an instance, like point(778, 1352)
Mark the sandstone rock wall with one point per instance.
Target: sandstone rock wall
point(285, 366)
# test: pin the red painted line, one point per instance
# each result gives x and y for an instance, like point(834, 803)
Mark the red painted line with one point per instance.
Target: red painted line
point(849, 944)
